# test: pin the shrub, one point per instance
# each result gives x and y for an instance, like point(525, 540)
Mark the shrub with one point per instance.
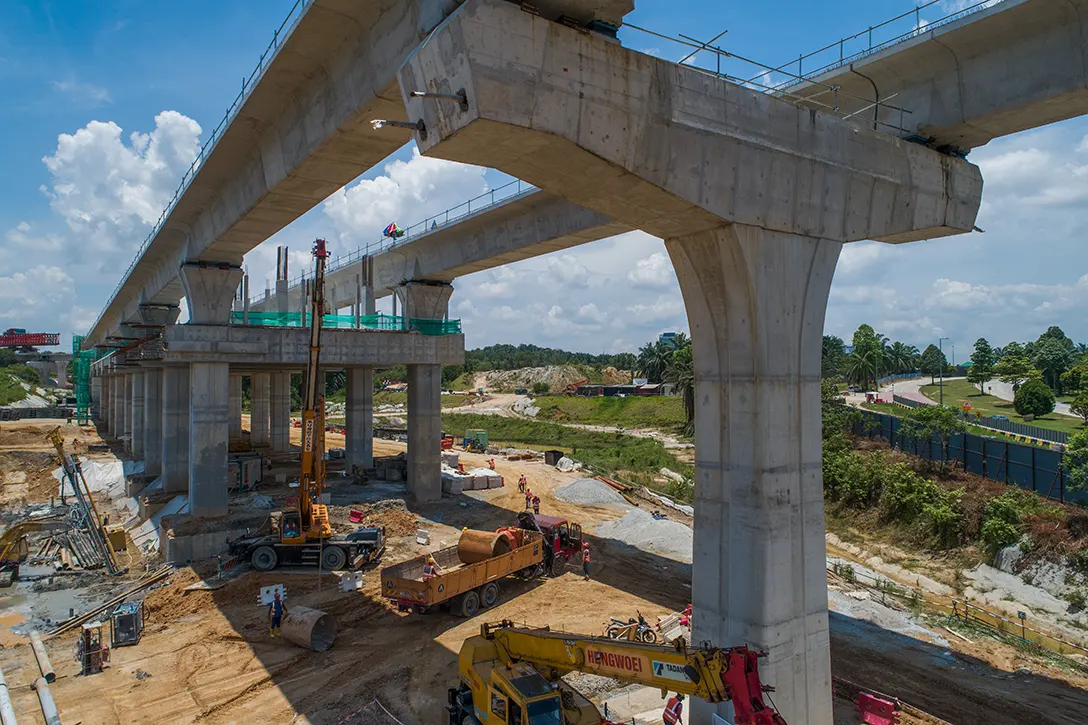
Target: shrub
point(25, 373)
point(997, 534)
point(905, 494)
point(943, 517)
point(540, 388)
point(1034, 398)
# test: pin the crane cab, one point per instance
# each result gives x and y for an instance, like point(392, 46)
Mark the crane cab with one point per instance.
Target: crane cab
point(290, 528)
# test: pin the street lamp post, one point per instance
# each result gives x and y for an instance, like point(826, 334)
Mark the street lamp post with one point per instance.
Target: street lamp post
point(940, 347)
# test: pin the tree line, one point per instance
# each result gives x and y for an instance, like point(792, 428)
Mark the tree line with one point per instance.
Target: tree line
point(874, 356)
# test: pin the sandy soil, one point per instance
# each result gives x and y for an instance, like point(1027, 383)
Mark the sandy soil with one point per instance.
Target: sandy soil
point(207, 657)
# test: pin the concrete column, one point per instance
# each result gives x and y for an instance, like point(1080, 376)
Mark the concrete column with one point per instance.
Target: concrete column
point(209, 291)
point(359, 411)
point(756, 301)
point(139, 427)
point(235, 400)
point(152, 437)
point(425, 432)
point(175, 428)
point(61, 372)
point(279, 415)
point(282, 301)
point(209, 414)
point(126, 408)
point(117, 420)
point(96, 397)
point(107, 403)
point(260, 391)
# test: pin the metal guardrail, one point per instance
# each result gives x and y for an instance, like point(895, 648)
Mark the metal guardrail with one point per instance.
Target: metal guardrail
point(918, 28)
point(248, 84)
point(1005, 426)
point(499, 195)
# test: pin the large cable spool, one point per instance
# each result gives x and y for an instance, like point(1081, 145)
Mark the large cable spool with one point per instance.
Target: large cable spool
point(477, 546)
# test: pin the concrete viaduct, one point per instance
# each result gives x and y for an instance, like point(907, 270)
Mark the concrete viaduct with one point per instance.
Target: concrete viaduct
point(754, 195)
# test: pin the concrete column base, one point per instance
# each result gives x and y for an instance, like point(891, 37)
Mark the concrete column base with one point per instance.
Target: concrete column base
point(175, 429)
point(756, 301)
point(235, 399)
point(209, 412)
point(260, 385)
point(136, 443)
point(152, 437)
point(359, 413)
point(279, 417)
point(425, 432)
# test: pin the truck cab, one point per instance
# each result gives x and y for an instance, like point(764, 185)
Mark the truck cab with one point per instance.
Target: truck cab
point(570, 539)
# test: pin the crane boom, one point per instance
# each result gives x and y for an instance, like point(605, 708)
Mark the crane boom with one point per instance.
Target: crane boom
point(313, 515)
point(710, 673)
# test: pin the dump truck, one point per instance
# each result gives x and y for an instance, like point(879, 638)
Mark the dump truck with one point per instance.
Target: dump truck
point(513, 674)
point(467, 577)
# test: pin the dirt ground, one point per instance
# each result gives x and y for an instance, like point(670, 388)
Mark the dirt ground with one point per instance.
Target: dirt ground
point(207, 657)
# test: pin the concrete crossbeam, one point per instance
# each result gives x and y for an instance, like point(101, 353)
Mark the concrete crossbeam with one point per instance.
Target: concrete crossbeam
point(209, 291)
point(425, 300)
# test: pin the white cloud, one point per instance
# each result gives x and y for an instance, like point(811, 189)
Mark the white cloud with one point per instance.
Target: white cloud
point(653, 272)
point(26, 294)
point(83, 94)
point(565, 270)
point(110, 193)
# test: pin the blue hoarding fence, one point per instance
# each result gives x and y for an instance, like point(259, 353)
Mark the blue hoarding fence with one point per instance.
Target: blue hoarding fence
point(1031, 468)
point(1006, 426)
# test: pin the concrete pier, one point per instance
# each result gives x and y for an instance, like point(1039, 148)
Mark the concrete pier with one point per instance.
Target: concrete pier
point(260, 385)
point(359, 413)
point(126, 408)
point(279, 416)
point(152, 438)
point(175, 428)
point(209, 412)
point(235, 427)
point(425, 432)
point(136, 445)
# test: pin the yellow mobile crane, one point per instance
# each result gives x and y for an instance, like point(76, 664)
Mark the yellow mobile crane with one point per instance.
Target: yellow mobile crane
point(302, 534)
point(510, 675)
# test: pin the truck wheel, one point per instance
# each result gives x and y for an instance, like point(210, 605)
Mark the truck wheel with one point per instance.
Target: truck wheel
point(559, 565)
point(470, 604)
point(264, 558)
point(490, 595)
point(333, 557)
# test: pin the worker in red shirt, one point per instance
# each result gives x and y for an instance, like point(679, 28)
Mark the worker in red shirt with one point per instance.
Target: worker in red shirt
point(674, 708)
point(585, 560)
point(491, 464)
point(536, 504)
point(528, 499)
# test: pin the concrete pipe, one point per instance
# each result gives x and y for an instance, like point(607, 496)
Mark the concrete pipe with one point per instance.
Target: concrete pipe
point(49, 708)
point(476, 546)
point(7, 712)
point(42, 656)
point(309, 628)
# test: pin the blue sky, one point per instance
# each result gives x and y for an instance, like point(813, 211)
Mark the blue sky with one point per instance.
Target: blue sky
point(106, 102)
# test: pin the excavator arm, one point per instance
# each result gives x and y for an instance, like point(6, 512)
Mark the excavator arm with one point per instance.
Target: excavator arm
point(709, 673)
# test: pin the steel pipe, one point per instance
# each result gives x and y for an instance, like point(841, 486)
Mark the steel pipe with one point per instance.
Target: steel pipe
point(49, 708)
point(42, 655)
point(7, 712)
point(309, 628)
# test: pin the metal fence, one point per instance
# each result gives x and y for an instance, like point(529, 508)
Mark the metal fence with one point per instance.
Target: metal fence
point(1006, 426)
point(24, 413)
point(1029, 467)
point(900, 376)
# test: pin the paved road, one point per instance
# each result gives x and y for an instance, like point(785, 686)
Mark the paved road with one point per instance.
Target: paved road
point(911, 389)
point(1004, 391)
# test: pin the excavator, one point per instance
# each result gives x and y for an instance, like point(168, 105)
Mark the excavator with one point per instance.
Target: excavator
point(301, 534)
point(510, 675)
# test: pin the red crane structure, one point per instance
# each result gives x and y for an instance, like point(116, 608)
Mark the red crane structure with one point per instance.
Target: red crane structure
point(19, 339)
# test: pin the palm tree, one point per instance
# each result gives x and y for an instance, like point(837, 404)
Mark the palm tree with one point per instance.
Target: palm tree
point(899, 358)
point(681, 373)
point(859, 368)
point(654, 359)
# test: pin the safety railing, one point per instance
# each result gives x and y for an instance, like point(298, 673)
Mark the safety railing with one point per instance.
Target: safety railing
point(248, 84)
point(859, 45)
point(378, 321)
point(499, 195)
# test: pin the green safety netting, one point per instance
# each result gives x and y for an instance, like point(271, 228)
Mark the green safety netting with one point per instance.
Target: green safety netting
point(82, 360)
point(368, 322)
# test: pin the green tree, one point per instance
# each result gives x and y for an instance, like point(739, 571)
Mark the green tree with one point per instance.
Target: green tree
point(900, 358)
point(858, 368)
point(1015, 368)
point(834, 351)
point(1075, 460)
point(982, 363)
point(540, 388)
point(1034, 398)
point(681, 373)
point(925, 422)
point(1053, 356)
point(653, 360)
point(932, 361)
point(1080, 407)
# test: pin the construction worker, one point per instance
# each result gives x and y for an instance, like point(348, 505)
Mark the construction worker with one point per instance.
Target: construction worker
point(491, 463)
point(536, 504)
point(430, 569)
point(528, 499)
point(522, 483)
point(674, 708)
point(585, 560)
point(275, 614)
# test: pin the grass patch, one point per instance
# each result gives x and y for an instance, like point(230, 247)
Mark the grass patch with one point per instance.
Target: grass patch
point(10, 389)
point(957, 391)
point(665, 413)
point(901, 412)
point(635, 459)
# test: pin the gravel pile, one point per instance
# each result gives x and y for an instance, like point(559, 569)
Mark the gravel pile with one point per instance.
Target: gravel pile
point(589, 492)
point(658, 536)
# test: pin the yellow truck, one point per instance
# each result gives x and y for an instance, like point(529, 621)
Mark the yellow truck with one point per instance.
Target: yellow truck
point(465, 577)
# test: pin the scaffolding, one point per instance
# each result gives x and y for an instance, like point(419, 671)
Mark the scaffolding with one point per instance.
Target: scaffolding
point(81, 361)
point(366, 322)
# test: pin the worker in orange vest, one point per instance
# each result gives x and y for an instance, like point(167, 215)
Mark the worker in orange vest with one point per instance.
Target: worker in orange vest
point(528, 499)
point(522, 483)
point(430, 569)
point(674, 708)
point(585, 560)
point(491, 464)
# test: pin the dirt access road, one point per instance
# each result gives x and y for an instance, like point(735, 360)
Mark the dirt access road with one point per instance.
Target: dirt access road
point(207, 656)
